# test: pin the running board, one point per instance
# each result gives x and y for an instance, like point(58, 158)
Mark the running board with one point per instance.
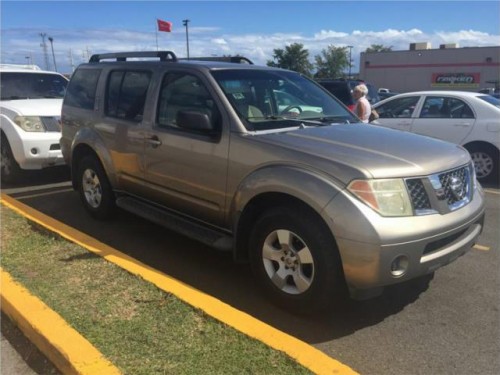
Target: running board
point(175, 223)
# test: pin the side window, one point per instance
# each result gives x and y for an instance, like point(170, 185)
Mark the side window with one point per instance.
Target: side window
point(398, 108)
point(183, 92)
point(82, 88)
point(126, 94)
point(443, 107)
point(459, 109)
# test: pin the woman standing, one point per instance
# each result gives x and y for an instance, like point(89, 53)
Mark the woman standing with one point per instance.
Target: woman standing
point(362, 108)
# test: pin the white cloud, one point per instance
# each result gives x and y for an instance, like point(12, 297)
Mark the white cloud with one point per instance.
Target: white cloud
point(208, 41)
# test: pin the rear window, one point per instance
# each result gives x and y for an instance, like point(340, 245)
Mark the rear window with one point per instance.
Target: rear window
point(341, 91)
point(126, 94)
point(490, 99)
point(82, 88)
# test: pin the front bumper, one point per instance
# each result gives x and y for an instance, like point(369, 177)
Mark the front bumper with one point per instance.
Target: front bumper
point(369, 244)
point(37, 150)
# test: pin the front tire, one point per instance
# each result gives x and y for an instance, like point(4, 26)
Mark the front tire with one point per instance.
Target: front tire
point(295, 260)
point(94, 188)
point(10, 169)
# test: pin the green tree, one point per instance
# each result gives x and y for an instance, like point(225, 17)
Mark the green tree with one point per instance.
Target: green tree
point(293, 57)
point(378, 48)
point(332, 62)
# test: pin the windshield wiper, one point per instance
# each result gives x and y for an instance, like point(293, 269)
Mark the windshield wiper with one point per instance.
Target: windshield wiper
point(329, 119)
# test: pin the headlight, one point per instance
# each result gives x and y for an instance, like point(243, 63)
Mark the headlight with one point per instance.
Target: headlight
point(30, 123)
point(387, 197)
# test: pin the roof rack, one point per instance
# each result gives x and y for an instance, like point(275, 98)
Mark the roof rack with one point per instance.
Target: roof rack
point(231, 59)
point(123, 56)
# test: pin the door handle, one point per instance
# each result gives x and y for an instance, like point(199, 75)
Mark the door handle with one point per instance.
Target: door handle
point(154, 141)
point(463, 124)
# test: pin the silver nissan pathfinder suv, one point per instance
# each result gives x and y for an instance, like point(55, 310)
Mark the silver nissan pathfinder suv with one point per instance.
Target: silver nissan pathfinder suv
point(267, 164)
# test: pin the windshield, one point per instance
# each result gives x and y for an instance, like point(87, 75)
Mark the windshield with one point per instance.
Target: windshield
point(273, 99)
point(490, 99)
point(32, 85)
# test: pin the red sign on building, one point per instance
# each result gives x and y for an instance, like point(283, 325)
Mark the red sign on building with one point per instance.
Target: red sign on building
point(456, 80)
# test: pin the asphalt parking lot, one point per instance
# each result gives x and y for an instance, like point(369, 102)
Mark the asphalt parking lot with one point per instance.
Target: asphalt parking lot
point(445, 324)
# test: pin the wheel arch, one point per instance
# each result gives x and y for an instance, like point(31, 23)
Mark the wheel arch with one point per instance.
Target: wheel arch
point(86, 142)
point(274, 187)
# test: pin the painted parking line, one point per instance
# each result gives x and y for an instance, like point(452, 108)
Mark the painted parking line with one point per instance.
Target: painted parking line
point(303, 353)
point(61, 344)
point(491, 191)
point(481, 247)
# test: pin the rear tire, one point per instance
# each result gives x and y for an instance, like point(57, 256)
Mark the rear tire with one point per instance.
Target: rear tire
point(11, 171)
point(295, 260)
point(94, 188)
point(485, 159)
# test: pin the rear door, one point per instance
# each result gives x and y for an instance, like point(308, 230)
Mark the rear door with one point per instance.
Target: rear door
point(186, 170)
point(444, 117)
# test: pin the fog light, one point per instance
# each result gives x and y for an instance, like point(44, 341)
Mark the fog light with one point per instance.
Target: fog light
point(399, 266)
point(34, 151)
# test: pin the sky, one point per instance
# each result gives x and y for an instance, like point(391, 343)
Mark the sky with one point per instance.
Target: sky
point(249, 28)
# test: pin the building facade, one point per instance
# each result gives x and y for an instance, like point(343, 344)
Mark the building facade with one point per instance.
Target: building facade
point(424, 68)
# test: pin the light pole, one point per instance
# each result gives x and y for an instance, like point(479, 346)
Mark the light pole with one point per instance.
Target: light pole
point(350, 60)
point(185, 23)
point(45, 54)
point(51, 40)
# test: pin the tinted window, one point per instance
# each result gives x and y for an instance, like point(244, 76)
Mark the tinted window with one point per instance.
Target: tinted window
point(82, 88)
point(186, 93)
point(398, 108)
point(32, 86)
point(445, 107)
point(126, 94)
point(340, 90)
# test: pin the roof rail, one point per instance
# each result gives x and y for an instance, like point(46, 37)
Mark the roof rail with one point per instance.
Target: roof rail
point(231, 59)
point(123, 56)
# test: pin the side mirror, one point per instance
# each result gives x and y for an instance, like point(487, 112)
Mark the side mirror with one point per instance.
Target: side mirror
point(194, 121)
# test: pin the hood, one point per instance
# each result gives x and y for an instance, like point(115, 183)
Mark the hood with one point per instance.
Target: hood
point(347, 152)
point(34, 107)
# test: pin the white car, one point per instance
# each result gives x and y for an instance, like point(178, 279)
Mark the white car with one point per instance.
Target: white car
point(30, 111)
point(466, 118)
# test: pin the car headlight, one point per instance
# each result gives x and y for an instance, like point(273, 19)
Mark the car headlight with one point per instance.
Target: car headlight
point(30, 123)
point(387, 197)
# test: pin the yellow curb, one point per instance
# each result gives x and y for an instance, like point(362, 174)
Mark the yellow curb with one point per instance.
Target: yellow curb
point(305, 354)
point(62, 345)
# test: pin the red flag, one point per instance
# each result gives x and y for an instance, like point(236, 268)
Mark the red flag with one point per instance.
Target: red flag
point(164, 26)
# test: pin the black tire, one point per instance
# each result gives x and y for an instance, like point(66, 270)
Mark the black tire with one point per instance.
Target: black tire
point(485, 158)
point(94, 188)
point(295, 260)
point(11, 172)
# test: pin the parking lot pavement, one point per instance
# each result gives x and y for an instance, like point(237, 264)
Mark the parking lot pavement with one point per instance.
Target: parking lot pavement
point(11, 361)
point(446, 323)
point(19, 356)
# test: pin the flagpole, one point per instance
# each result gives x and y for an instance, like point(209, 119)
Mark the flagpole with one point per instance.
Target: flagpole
point(156, 33)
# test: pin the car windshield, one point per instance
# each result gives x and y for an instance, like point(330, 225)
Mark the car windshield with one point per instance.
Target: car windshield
point(490, 99)
point(273, 99)
point(14, 86)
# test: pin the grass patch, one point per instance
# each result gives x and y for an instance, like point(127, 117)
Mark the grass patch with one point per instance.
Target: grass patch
point(138, 327)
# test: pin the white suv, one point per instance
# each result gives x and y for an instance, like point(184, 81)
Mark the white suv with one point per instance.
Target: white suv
point(30, 110)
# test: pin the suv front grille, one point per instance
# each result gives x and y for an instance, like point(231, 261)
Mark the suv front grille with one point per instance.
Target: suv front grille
point(52, 124)
point(441, 192)
point(418, 195)
point(455, 185)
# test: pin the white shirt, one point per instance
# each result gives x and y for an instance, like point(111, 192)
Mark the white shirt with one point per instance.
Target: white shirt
point(366, 106)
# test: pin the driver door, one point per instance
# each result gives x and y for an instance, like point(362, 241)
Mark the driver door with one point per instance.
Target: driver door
point(398, 113)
